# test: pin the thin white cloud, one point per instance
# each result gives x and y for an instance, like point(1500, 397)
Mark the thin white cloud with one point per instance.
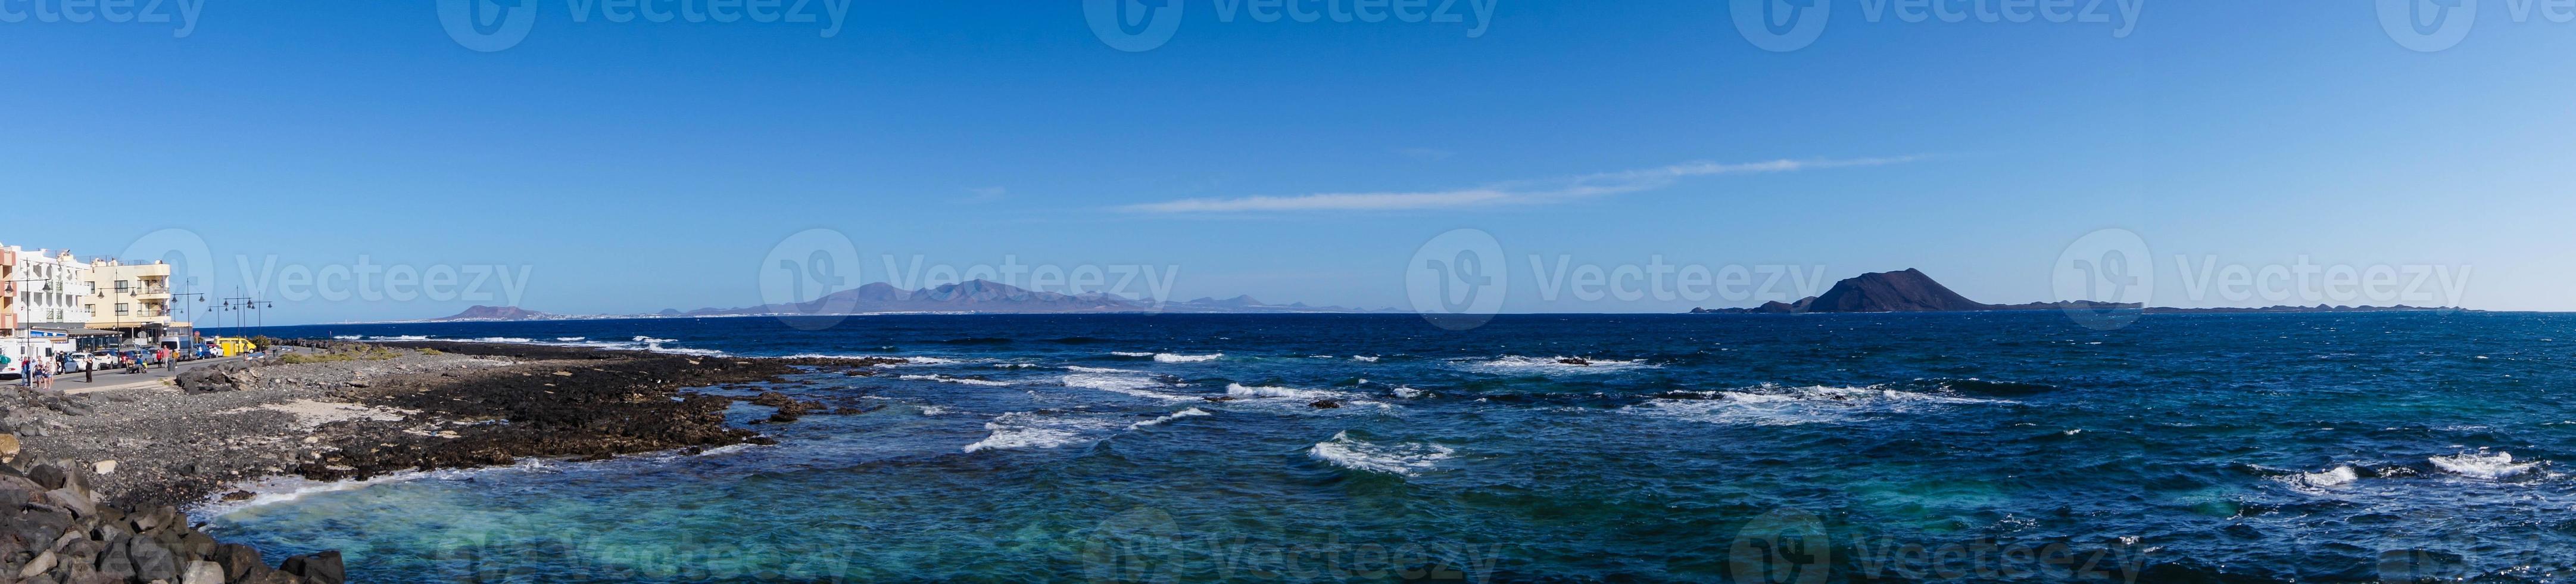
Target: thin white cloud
point(1521, 192)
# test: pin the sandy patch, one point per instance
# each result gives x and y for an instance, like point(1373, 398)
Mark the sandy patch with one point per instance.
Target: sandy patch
point(311, 414)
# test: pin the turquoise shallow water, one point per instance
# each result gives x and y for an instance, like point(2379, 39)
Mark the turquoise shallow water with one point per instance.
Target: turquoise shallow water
point(1949, 447)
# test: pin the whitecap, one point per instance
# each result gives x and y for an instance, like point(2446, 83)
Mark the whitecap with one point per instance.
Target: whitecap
point(347, 337)
point(1364, 358)
point(1188, 413)
point(1408, 459)
point(2498, 466)
point(1178, 358)
point(2322, 480)
point(571, 339)
point(1132, 385)
point(1021, 430)
point(1408, 393)
point(1241, 390)
point(956, 380)
point(1776, 406)
point(1516, 364)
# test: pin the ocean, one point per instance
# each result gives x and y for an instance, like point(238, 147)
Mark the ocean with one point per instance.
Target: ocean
point(1968, 447)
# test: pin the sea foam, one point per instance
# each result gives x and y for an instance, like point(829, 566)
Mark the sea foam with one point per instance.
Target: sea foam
point(2480, 465)
point(1777, 406)
point(1407, 459)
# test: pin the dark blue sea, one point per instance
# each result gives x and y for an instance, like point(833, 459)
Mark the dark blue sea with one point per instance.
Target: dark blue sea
point(1819, 448)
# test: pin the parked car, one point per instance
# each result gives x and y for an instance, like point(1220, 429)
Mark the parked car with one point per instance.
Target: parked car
point(90, 362)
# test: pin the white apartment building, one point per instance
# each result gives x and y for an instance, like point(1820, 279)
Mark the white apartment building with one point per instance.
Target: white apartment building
point(52, 289)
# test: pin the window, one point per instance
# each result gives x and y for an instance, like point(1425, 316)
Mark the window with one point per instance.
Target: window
point(120, 306)
point(122, 286)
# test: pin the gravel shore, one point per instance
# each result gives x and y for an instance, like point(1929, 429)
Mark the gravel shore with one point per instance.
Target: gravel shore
point(333, 411)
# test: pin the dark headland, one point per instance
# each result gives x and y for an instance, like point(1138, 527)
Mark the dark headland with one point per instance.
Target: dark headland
point(1913, 291)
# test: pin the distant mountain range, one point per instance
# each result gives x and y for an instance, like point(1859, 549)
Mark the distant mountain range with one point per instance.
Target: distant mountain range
point(1913, 291)
point(479, 313)
point(975, 296)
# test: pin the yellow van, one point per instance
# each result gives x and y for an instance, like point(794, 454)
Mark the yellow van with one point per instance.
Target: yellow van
point(232, 346)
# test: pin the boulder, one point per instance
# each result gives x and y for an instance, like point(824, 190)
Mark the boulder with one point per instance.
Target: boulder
point(104, 467)
point(49, 476)
point(72, 500)
point(151, 560)
point(202, 572)
point(8, 447)
point(43, 563)
point(240, 562)
point(321, 568)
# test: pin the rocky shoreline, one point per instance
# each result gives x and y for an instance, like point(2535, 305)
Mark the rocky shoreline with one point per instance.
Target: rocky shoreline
point(114, 468)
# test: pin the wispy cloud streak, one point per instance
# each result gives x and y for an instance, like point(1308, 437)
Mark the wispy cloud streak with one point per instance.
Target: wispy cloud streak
point(1522, 192)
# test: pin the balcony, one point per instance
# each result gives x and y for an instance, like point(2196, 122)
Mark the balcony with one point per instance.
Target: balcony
point(151, 292)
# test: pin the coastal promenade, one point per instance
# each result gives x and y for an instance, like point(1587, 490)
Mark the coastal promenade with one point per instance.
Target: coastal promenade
point(72, 384)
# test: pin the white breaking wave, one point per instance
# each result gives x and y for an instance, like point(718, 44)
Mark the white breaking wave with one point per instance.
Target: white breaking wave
point(926, 361)
point(1080, 369)
point(1176, 358)
point(1127, 384)
point(956, 380)
point(1188, 413)
point(1766, 407)
point(1399, 459)
point(346, 337)
point(1130, 354)
point(1364, 359)
point(1407, 392)
point(637, 343)
point(505, 340)
point(1018, 430)
point(1517, 364)
point(1241, 390)
point(2498, 466)
point(2319, 481)
point(281, 489)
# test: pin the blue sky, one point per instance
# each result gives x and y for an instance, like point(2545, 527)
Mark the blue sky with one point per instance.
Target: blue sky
point(631, 167)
